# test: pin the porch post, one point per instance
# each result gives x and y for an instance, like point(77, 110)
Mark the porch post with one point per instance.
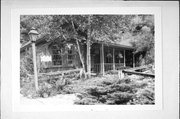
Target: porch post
point(133, 61)
point(124, 58)
point(88, 59)
point(113, 60)
point(102, 59)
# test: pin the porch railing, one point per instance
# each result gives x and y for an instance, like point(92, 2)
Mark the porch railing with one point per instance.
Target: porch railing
point(119, 65)
point(107, 66)
point(96, 68)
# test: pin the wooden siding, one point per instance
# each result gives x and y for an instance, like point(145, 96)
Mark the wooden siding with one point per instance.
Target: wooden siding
point(48, 66)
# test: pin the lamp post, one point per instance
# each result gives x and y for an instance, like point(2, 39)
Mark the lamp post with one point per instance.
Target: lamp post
point(33, 36)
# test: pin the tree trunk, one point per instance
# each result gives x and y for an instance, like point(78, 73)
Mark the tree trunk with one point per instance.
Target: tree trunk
point(88, 44)
point(79, 51)
point(81, 58)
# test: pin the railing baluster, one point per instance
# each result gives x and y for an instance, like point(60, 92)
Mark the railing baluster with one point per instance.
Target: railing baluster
point(107, 66)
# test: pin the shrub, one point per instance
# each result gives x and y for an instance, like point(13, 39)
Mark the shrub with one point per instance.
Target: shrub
point(112, 72)
point(119, 98)
point(121, 87)
point(103, 99)
point(111, 90)
point(140, 85)
point(97, 91)
point(44, 92)
point(86, 101)
point(110, 80)
point(28, 90)
point(125, 80)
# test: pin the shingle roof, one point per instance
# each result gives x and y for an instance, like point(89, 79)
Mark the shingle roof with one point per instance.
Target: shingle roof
point(126, 43)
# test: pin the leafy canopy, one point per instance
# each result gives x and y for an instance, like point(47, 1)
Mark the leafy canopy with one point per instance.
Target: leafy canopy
point(107, 28)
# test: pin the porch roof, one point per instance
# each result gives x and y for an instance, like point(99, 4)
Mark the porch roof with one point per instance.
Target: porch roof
point(123, 44)
point(44, 39)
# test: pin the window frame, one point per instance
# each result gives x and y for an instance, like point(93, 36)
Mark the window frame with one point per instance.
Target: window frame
point(70, 54)
point(59, 55)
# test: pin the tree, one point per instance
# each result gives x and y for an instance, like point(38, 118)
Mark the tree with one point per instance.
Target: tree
point(85, 29)
point(143, 37)
point(40, 22)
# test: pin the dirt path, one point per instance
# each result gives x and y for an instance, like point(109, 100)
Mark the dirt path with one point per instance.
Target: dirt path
point(67, 99)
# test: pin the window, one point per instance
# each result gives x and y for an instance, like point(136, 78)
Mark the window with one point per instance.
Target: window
point(70, 54)
point(56, 55)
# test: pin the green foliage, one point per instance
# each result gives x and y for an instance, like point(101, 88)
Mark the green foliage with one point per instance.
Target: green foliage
point(111, 90)
point(143, 38)
point(98, 90)
point(107, 28)
point(26, 68)
point(48, 86)
point(46, 90)
point(41, 22)
point(102, 27)
point(122, 87)
point(27, 63)
point(144, 96)
point(86, 101)
point(119, 98)
point(28, 90)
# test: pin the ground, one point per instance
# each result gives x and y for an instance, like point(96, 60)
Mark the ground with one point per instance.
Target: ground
point(109, 89)
point(67, 99)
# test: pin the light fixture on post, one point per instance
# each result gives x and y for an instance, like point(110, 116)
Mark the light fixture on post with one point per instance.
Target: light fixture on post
point(33, 37)
point(109, 55)
point(120, 55)
point(33, 34)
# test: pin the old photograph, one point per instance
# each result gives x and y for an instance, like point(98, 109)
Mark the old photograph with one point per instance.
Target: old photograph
point(89, 59)
point(78, 59)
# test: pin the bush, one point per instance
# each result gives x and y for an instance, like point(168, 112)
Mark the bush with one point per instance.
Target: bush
point(97, 90)
point(145, 96)
point(125, 80)
point(111, 90)
point(53, 86)
point(119, 98)
point(121, 87)
point(112, 72)
point(86, 101)
point(26, 66)
point(45, 89)
point(28, 90)
point(140, 85)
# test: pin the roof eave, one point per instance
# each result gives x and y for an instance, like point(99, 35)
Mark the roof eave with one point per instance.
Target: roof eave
point(116, 45)
point(26, 45)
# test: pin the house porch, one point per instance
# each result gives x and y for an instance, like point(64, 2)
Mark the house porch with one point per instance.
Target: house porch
point(106, 57)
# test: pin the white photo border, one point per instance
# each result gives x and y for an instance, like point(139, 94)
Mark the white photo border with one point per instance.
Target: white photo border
point(15, 38)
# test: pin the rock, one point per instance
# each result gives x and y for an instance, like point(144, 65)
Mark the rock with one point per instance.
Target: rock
point(45, 95)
